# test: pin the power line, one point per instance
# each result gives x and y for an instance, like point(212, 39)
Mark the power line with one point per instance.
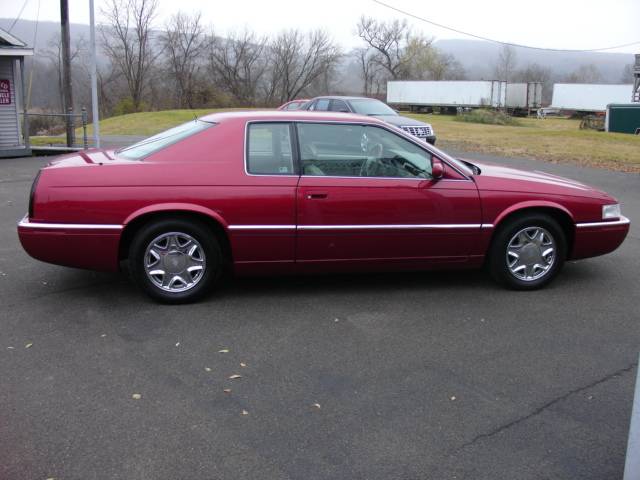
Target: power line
point(19, 15)
point(422, 19)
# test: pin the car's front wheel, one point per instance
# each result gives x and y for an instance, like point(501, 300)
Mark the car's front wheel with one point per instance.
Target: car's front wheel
point(527, 252)
point(175, 261)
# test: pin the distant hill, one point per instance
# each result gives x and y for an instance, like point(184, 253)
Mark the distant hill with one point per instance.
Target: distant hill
point(478, 58)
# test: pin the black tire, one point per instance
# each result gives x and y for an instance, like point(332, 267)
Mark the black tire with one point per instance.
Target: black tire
point(497, 262)
point(206, 239)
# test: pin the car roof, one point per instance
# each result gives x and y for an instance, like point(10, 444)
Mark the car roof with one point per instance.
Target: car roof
point(289, 115)
point(344, 97)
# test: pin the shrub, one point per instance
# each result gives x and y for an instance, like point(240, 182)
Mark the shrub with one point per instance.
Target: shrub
point(126, 106)
point(492, 117)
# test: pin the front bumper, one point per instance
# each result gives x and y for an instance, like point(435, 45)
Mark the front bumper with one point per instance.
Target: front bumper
point(598, 238)
point(91, 246)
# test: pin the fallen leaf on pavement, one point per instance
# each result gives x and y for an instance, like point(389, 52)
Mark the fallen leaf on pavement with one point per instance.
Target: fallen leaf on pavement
point(103, 335)
point(207, 369)
point(136, 396)
point(28, 345)
point(317, 405)
point(243, 364)
point(227, 390)
point(224, 350)
point(178, 344)
point(453, 398)
point(11, 348)
point(233, 377)
point(244, 412)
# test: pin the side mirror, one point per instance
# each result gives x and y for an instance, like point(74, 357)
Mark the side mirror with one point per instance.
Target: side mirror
point(437, 168)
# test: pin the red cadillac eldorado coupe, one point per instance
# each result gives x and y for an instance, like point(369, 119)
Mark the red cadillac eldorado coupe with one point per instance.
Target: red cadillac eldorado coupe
point(286, 192)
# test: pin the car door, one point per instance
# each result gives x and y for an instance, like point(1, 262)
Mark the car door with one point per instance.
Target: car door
point(366, 197)
point(262, 225)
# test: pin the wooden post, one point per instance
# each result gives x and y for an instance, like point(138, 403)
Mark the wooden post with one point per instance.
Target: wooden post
point(66, 69)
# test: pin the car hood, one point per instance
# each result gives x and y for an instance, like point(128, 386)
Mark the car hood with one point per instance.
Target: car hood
point(500, 178)
point(400, 121)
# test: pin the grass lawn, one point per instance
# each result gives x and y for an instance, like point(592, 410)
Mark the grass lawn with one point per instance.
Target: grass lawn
point(554, 140)
point(40, 141)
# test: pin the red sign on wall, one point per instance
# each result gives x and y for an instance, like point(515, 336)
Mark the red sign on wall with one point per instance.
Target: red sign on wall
point(5, 92)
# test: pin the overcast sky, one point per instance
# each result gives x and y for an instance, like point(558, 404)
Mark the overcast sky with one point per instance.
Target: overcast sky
point(572, 24)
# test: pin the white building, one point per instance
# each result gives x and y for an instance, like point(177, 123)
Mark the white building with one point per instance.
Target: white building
point(12, 97)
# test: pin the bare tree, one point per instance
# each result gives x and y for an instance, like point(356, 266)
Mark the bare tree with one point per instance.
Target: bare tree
point(534, 72)
point(588, 73)
point(425, 62)
point(370, 70)
point(627, 74)
point(390, 40)
point(297, 61)
point(237, 62)
point(506, 63)
point(53, 53)
point(184, 43)
point(127, 41)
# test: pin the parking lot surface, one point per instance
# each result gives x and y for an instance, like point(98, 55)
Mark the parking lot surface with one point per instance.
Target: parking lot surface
point(385, 376)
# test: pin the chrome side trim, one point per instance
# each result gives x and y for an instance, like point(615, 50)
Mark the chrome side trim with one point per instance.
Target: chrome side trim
point(262, 227)
point(436, 226)
point(25, 223)
point(622, 221)
point(486, 225)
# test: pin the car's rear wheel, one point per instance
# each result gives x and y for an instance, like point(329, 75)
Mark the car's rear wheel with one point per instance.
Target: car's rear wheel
point(175, 261)
point(527, 252)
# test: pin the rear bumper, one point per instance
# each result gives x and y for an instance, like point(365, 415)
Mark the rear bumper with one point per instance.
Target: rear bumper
point(93, 247)
point(599, 238)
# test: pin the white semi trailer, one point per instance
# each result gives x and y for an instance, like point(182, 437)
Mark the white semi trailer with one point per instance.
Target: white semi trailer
point(589, 97)
point(417, 95)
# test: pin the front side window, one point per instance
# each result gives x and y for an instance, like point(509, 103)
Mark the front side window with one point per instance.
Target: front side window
point(146, 147)
point(321, 105)
point(339, 106)
point(343, 150)
point(269, 149)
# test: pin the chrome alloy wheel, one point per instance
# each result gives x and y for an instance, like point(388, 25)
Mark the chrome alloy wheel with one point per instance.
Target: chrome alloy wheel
point(175, 262)
point(531, 253)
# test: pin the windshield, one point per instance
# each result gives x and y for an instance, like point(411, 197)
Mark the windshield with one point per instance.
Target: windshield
point(146, 147)
point(369, 106)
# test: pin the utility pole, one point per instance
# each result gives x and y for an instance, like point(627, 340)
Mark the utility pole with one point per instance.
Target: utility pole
point(94, 80)
point(66, 70)
point(635, 96)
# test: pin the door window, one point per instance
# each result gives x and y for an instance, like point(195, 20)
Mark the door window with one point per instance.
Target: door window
point(339, 106)
point(321, 105)
point(269, 149)
point(345, 150)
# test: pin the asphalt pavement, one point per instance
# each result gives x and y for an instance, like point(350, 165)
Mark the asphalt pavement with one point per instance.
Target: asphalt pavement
point(385, 376)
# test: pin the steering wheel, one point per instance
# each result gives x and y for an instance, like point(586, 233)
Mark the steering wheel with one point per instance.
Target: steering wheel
point(370, 165)
point(309, 152)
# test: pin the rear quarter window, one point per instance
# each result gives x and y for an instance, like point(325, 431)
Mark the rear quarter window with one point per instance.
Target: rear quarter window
point(269, 149)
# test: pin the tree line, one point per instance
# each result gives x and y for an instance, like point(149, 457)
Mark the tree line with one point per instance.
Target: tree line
point(186, 64)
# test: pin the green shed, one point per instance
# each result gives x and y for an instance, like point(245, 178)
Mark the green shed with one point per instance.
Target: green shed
point(623, 118)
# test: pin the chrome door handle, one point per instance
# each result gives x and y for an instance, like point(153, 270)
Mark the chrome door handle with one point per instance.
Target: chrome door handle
point(316, 196)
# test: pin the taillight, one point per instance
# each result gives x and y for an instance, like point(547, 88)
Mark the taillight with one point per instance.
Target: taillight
point(33, 193)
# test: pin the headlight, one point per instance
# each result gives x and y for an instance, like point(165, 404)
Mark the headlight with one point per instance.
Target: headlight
point(610, 211)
